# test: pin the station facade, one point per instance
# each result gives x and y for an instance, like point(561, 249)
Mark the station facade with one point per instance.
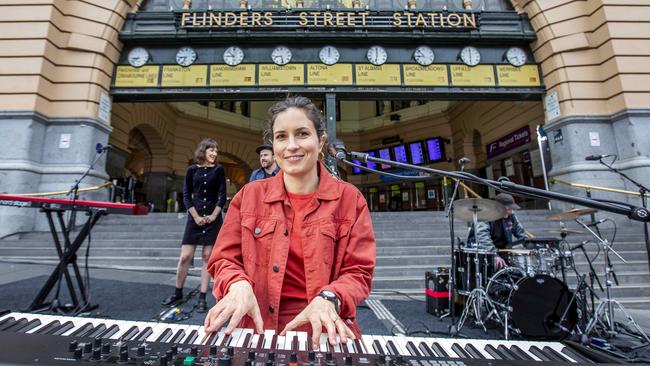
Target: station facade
point(423, 81)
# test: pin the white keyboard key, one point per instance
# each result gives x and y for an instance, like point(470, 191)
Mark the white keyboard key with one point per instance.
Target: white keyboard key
point(367, 343)
point(268, 338)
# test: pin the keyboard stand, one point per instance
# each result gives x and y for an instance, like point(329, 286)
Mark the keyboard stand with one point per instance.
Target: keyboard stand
point(67, 257)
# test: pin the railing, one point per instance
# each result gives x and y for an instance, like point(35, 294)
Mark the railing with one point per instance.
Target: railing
point(95, 188)
point(588, 187)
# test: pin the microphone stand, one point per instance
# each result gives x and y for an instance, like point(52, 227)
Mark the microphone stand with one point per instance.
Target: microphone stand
point(644, 202)
point(74, 190)
point(453, 331)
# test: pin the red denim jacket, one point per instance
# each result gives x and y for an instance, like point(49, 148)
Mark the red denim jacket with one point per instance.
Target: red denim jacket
point(339, 245)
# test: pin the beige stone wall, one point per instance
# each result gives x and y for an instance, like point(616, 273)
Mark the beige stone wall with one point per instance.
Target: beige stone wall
point(593, 53)
point(57, 56)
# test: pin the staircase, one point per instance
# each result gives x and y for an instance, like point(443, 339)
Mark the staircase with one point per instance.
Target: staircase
point(408, 245)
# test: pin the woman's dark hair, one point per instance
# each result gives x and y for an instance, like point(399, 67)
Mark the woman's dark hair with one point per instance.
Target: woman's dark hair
point(205, 144)
point(306, 105)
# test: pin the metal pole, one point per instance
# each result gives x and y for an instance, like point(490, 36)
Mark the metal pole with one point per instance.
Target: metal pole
point(541, 138)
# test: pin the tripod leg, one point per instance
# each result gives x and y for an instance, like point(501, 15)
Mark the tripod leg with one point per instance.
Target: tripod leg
point(630, 320)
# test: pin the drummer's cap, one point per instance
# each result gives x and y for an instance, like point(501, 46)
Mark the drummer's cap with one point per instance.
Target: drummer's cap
point(264, 146)
point(507, 200)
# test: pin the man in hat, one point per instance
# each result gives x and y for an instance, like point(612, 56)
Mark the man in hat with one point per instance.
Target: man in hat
point(269, 167)
point(501, 233)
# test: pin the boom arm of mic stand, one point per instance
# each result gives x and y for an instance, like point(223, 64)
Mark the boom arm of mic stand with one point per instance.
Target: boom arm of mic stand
point(635, 213)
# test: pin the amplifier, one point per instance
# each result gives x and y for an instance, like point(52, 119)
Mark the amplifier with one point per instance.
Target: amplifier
point(437, 291)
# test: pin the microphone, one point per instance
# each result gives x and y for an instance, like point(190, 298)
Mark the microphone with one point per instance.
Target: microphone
point(99, 148)
point(463, 160)
point(597, 222)
point(579, 246)
point(339, 147)
point(597, 157)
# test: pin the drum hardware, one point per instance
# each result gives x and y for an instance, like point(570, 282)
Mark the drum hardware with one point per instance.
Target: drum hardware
point(571, 214)
point(604, 313)
point(484, 210)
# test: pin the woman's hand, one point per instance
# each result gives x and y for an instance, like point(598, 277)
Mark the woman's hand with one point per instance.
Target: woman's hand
point(239, 301)
point(321, 313)
point(200, 221)
point(499, 262)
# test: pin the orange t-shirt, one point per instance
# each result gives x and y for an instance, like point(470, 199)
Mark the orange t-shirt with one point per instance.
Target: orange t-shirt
point(294, 294)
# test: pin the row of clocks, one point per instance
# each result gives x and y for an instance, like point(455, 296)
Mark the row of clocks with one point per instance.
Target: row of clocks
point(329, 55)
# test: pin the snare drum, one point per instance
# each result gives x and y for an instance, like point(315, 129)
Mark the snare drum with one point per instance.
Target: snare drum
point(524, 259)
point(466, 268)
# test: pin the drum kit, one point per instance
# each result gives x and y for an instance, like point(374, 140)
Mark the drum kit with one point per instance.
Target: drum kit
point(530, 296)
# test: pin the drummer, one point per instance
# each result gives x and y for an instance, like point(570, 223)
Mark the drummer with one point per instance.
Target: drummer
point(499, 234)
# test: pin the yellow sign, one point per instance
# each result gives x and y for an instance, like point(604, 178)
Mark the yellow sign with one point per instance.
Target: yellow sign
point(480, 75)
point(292, 74)
point(224, 75)
point(432, 75)
point(178, 76)
point(127, 76)
point(526, 75)
point(339, 74)
point(378, 75)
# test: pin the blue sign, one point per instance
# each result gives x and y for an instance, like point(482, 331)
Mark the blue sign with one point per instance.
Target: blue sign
point(508, 142)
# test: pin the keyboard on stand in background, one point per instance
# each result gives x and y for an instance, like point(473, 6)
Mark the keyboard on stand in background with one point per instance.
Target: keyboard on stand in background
point(36, 339)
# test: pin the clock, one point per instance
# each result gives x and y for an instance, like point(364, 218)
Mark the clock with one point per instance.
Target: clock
point(377, 55)
point(424, 55)
point(281, 55)
point(470, 56)
point(516, 56)
point(185, 56)
point(138, 57)
point(329, 55)
point(233, 55)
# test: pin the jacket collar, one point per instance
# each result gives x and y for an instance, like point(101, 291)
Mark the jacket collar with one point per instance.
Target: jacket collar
point(327, 190)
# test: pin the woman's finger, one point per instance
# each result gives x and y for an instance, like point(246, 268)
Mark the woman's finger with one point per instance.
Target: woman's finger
point(316, 331)
point(331, 331)
point(256, 315)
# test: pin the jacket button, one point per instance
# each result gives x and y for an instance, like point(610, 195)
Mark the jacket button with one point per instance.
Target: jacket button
point(257, 230)
point(286, 232)
point(276, 268)
point(271, 308)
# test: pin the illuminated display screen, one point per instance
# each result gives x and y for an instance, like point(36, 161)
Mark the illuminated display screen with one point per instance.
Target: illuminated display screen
point(417, 155)
point(356, 170)
point(370, 164)
point(435, 149)
point(384, 154)
point(399, 152)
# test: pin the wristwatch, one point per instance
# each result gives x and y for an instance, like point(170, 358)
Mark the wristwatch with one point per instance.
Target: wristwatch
point(330, 296)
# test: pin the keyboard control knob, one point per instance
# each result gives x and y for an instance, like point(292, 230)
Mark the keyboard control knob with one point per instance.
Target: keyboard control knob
point(194, 351)
point(399, 360)
point(213, 350)
point(225, 360)
point(124, 357)
point(88, 347)
point(174, 349)
point(169, 354)
point(248, 363)
point(106, 348)
point(272, 356)
point(231, 351)
point(97, 354)
point(141, 351)
point(124, 347)
point(97, 342)
point(311, 357)
point(293, 359)
point(348, 360)
point(72, 346)
point(251, 355)
point(162, 361)
point(328, 356)
point(78, 353)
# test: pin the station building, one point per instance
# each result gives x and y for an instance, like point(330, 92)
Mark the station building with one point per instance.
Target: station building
point(520, 87)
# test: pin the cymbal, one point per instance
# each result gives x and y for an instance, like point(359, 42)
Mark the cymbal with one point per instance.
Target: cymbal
point(487, 210)
point(563, 231)
point(571, 214)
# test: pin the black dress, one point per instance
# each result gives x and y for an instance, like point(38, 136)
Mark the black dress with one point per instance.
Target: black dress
point(204, 189)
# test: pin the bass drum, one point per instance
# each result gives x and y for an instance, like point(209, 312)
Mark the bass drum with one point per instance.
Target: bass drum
point(535, 303)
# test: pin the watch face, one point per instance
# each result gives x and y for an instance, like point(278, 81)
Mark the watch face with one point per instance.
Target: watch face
point(470, 56)
point(281, 55)
point(233, 55)
point(516, 56)
point(185, 56)
point(377, 55)
point(329, 55)
point(424, 55)
point(138, 57)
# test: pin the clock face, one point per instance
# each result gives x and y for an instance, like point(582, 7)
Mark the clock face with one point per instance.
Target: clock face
point(470, 56)
point(516, 56)
point(377, 55)
point(329, 55)
point(138, 57)
point(233, 55)
point(424, 55)
point(281, 55)
point(185, 56)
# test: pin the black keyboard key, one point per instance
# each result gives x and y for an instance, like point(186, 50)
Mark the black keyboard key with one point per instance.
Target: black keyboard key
point(81, 330)
point(554, 354)
point(521, 353)
point(473, 351)
point(6, 322)
point(493, 352)
point(191, 337)
point(392, 349)
point(260, 341)
point(359, 347)
point(211, 338)
point(129, 334)
point(574, 355)
point(110, 331)
point(178, 336)
point(97, 331)
point(19, 323)
point(538, 352)
point(459, 351)
point(507, 354)
point(29, 326)
point(49, 327)
point(162, 338)
point(378, 348)
point(274, 341)
point(426, 350)
point(63, 328)
point(439, 350)
point(144, 334)
point(412, 349)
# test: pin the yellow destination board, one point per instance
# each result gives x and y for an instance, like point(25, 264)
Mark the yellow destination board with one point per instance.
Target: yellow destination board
point(128, 76)
point(378, 75)
point(526, 75)
point(480, 75)
point(432, 75)
point(291, 74)
point(240, 75)
point(339, 74)
point(178, 76)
